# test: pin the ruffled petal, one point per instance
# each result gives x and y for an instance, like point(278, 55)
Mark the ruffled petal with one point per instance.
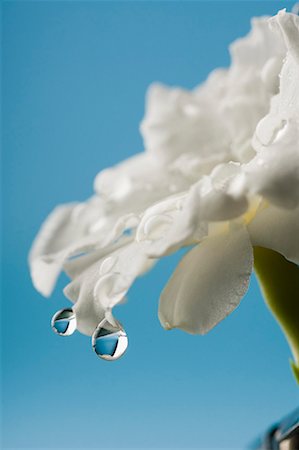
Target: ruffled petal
point(74, 230)
point(166, 226)
point(241, 95)
point(208, 283)
point(260, 45)
point(73, 267)
point(104, 284)
point(61, 234)
point(183, 219)
point(277, 229)
point(136, 183)
point(216, 120)
point(176, 122)
point(274, 172)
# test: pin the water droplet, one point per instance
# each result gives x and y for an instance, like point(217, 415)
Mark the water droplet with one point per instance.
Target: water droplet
point(107, 265)
point(64, 322)
point(109, 341)
point(156, 226)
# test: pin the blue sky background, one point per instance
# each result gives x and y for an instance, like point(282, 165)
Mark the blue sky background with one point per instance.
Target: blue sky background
point(74, 80)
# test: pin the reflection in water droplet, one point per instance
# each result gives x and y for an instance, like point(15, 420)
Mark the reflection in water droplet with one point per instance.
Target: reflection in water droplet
point(109, 341)
point(64, 322)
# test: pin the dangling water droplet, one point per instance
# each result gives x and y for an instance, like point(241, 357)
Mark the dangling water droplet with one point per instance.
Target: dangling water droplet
point(64, 322)
point(109, 341)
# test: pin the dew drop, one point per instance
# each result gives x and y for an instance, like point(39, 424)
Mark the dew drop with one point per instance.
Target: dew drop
point(109, 341)
point(156, 226)
point(107, 265)
point(64, 322)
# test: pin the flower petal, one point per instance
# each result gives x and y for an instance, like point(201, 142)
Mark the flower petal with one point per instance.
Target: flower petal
point(104, 284)
point(177, 122)
point(274, 172)
point(136, 183)
point(183, 219)
point(72, 230)
point(165, 226)
point(278, 230)
point(258, 46)
point(208, 284)
point(48, 251)
point(73, 267)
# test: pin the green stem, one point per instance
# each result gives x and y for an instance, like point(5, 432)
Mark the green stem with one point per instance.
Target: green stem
point(279, 281)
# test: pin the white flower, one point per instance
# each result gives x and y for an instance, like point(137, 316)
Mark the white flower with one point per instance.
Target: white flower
point(220, 172)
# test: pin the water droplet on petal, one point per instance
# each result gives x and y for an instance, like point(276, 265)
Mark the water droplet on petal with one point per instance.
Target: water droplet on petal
point(156, 226)
point(107, 265)
point(109, 341)
point(64, 322)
